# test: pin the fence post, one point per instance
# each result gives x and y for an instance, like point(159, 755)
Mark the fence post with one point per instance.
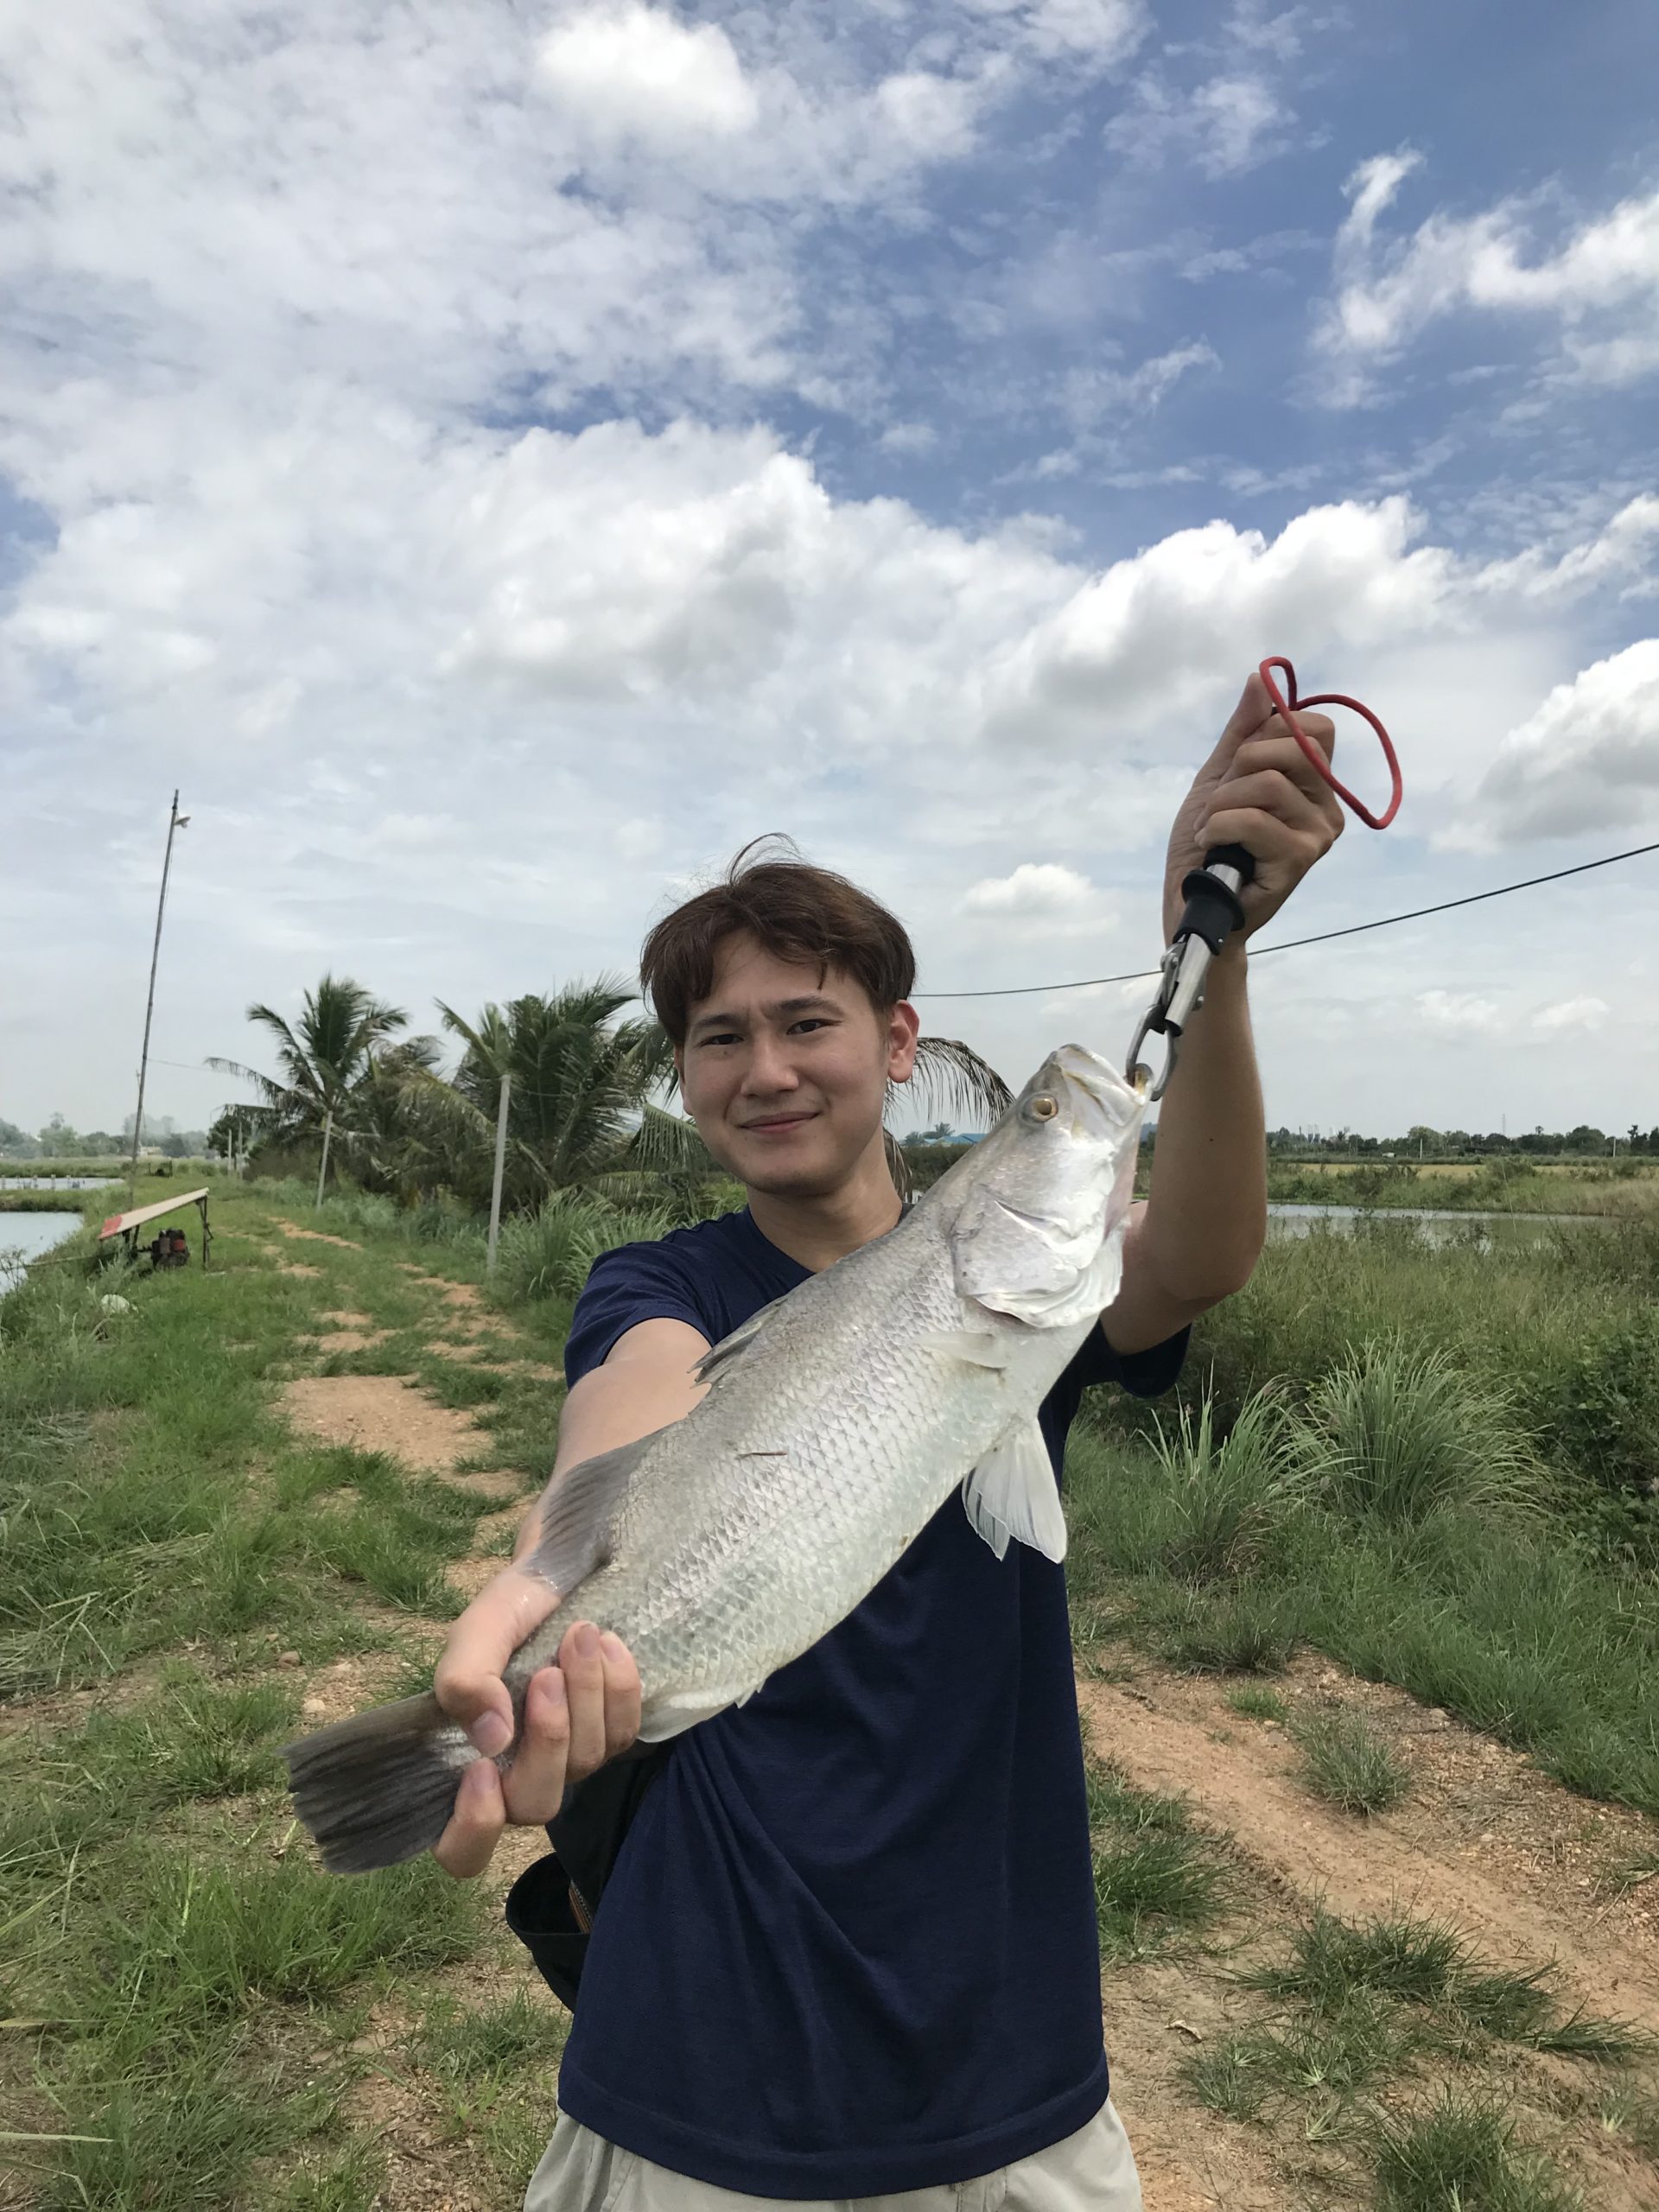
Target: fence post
point(500, 1164)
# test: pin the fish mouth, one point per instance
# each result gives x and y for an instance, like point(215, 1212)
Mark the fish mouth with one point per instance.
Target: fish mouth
point(1096, 1093)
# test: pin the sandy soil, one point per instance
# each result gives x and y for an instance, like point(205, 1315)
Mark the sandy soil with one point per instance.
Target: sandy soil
point(380, 1413)
point(1521, 1868)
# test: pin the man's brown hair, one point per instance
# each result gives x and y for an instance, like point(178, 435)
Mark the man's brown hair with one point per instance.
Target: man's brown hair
point(796, 912)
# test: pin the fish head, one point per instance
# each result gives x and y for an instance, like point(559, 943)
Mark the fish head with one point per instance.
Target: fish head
point(1036, 1212)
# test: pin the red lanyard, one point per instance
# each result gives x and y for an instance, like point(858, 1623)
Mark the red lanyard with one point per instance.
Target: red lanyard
point(1288, 709)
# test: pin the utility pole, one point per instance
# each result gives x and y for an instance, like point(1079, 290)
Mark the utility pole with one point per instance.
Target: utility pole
point(501, 1163)
point(175, 821)
point(322, 1172)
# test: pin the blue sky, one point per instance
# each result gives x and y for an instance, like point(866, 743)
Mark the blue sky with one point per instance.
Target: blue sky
point(496, 461)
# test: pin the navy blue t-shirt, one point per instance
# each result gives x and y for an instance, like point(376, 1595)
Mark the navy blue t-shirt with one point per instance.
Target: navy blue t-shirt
point(849, 1944)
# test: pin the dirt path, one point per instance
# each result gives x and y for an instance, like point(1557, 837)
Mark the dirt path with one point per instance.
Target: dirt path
point(1502, 1892)
point(1522, 1869)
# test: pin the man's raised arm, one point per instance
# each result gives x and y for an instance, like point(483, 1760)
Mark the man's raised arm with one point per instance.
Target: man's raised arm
point(584, 1709)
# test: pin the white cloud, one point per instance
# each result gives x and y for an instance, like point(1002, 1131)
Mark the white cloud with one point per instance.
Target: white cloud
point(1587, 760)
point(1223, 127)
point(1599, 286)
point(1099, 31)
point(1091, 395)
point(629, 70)
point(1034, 887)
point(1584, 1013)
point(1462, 1016)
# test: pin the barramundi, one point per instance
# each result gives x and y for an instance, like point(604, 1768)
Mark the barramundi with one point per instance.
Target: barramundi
point(835, 1423)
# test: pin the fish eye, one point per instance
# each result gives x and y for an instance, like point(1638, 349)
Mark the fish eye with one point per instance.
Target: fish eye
point(1043, 1108)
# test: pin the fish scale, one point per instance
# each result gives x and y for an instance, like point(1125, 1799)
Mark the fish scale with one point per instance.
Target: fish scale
point(835, 1425)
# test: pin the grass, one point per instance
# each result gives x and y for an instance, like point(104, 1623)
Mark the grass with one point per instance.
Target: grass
point(1504, 1620)
point(1158, 1880)
point(1258, 1704)
point(201, 1989)
point(1461, 2155)
point(1347, 1763)
point(1361, 2011)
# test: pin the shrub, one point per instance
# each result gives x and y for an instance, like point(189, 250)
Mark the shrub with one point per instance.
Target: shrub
point(1395, 1434)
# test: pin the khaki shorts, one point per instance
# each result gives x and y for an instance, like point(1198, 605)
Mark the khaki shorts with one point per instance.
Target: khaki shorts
point(1090, 2171)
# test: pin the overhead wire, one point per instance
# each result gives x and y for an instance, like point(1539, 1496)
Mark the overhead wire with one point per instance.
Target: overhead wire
point(1322, 937)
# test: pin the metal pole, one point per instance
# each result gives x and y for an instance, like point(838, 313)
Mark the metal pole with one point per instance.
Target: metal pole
point(501, 1163)
point(175, 821)
point(328, 1131)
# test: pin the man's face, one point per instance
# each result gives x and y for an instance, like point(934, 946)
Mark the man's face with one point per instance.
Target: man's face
point(785, 1076)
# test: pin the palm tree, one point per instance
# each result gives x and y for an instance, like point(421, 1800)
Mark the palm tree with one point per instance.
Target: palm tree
point(325, 1059)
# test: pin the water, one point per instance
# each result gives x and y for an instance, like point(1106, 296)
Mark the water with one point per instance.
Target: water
point(1435, 1224)
point(58, 1182)
point(25, 1236)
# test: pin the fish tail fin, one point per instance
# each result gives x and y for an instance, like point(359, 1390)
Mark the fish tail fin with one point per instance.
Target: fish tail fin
point(378, 1788)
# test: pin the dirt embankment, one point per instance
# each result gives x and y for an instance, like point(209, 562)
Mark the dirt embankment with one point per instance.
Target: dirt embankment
point(1526, 1873)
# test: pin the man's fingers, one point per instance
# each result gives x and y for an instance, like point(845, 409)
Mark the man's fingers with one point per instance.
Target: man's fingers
point(467, 1843)
point(621, 1695)
point(1271, 791)
point(536, 1780)
point(467, 1679)
point(1254, 709)
point(582, 1664)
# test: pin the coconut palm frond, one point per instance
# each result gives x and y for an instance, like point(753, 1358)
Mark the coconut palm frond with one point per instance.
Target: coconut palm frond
point(950, 1079)
point(667, 1144)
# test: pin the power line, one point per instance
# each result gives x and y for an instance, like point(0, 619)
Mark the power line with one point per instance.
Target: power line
point(1325, 937)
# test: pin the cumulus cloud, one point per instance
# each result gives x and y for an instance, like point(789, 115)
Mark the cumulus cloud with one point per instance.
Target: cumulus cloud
point(629, 70)
point(1587, 760)
point(1034, 887)
point(1598, 286)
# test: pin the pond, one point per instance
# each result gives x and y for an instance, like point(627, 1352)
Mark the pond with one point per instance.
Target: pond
point(58, 1182)
point(1436, 1224)
point(25, 1236)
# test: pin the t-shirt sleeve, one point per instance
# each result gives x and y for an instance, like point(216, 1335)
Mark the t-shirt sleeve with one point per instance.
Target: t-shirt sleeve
point(634, 1283)
point(1146, 1374)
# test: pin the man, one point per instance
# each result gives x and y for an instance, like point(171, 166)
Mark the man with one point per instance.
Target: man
point(848, 1950)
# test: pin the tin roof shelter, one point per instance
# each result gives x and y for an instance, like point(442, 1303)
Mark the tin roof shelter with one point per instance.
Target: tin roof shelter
point(129, 1224)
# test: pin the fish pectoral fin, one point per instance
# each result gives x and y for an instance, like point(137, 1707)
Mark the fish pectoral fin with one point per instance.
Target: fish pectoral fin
point(673, 1715)
point(580, 1514)
point(1012, 1492)
point(979, 1347)
point(731, 1349)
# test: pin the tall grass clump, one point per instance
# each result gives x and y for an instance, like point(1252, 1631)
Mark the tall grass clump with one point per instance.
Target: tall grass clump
point(1223, 1491)
point(1345, 1762)
point(547, 1254)
point(1395, 1434)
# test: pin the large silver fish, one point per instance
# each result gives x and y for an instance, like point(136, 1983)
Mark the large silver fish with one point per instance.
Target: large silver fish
point(837, 1421)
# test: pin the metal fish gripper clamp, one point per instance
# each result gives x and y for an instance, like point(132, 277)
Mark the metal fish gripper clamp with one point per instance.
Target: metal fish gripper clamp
point(1211, 914)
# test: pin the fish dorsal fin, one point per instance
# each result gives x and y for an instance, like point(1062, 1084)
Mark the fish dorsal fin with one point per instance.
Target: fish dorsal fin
point(579, 1518)
point(731, 1349)
point(1012, 1492)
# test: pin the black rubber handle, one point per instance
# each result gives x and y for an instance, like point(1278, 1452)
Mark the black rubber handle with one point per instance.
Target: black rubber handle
point(1212, 912)
point(1232, 856)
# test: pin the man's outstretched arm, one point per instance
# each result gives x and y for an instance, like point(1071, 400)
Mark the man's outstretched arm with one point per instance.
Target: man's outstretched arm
point(1197, 1238)
point(584, 1708)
